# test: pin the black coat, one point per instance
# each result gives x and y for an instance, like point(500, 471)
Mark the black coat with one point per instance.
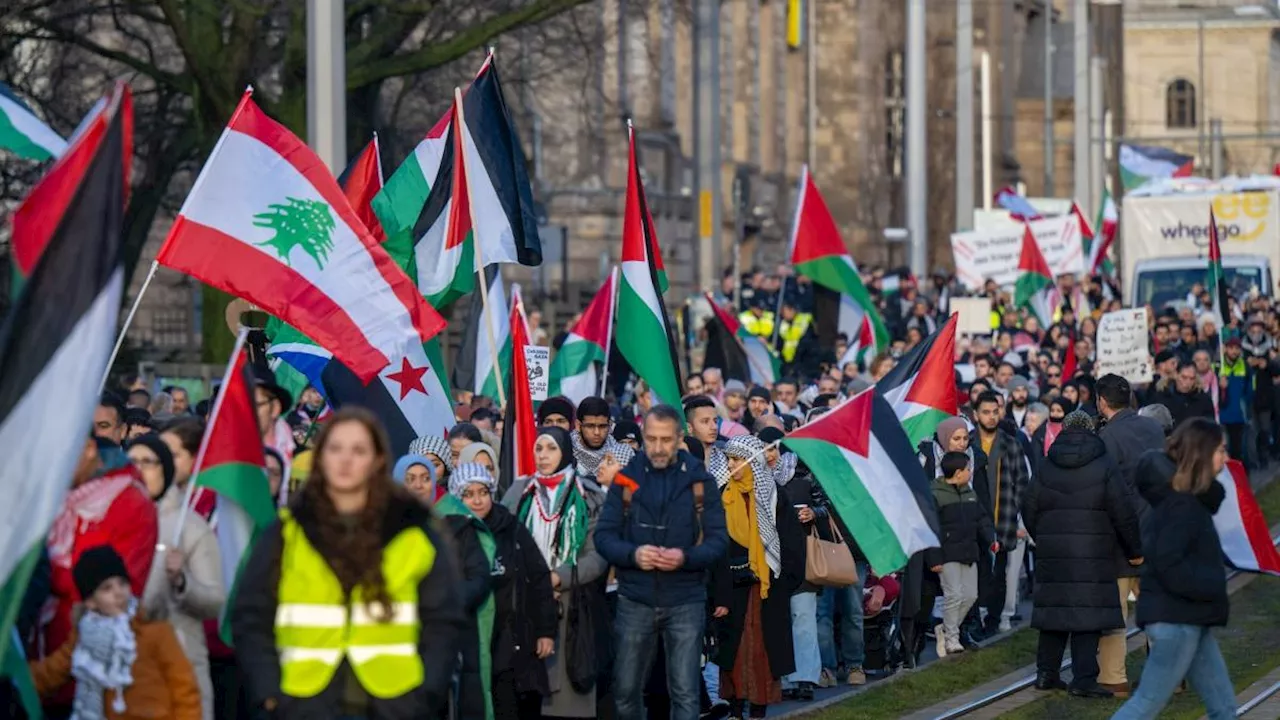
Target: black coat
point(476, 577)
point(440, 612)
point(1127, 436)
point(525, 608)
point(1078, 510)
point(964, 523)
point(1184, 578)
point(802, 490)
point(775, 611)
point(1186, 405)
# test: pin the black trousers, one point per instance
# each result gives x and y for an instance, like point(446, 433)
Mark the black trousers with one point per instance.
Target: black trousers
point(1235, 441)
point(991, 585)
point(511, 705)
point(1084, 655)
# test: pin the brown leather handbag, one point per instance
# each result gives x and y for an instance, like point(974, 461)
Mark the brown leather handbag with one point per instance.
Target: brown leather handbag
point(829, 563)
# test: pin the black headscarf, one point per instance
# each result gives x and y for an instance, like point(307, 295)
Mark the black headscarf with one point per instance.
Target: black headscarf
point(561, 436)
point(152, 442)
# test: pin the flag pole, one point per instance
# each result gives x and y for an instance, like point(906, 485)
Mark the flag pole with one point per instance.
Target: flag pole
point(741, 345)
point(128, 320)
point(214, 414)
point(483, 286)
point(791, 248)
point(608, 336)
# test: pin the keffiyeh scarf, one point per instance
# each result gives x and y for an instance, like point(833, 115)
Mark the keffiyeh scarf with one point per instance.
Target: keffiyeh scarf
point(589, 460)
point(785, 469)
point(749, 448)
point(434, 445)
point(86, 504)
point(103, 661)
point(938, 452)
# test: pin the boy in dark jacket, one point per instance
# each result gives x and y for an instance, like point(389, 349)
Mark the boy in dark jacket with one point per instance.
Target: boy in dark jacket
point(965, 527)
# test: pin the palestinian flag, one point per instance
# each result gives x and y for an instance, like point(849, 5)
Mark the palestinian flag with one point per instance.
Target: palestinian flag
point(922, 386)
point(54, 347)
point(648, 344)
point(744, 356)
point(22, 133)
point(1101, 236)
point(473, 368)
point(1140, 164)
point(36, 219)
point(1034, 288)
point(230, 462)
point(519, 426)
point(819, 253)
point(573, 370)
point(860, 344)
point(266, 221)
point(1214, 282)
point(868, 468)
point(1242, 528)
point(361, 182)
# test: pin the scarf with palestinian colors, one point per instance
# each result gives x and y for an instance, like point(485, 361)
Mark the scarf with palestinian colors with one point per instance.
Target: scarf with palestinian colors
point(554, 507)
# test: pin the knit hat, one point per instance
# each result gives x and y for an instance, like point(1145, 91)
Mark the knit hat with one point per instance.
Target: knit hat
point(468, 473)
point(1160, 413)
point(434, 445)
point(759, 392)
point(407, 461)
point(97, 565)
point(734, 386)
point(558, 405)
point(1077, 420)
point(152, 442)
point(770, 434)
point(626, 430)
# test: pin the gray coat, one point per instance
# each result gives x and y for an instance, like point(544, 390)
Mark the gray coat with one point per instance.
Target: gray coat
point(1127, 436)
point(564, 701)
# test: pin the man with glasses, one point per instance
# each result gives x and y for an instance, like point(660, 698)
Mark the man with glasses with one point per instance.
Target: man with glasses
point(592, 442)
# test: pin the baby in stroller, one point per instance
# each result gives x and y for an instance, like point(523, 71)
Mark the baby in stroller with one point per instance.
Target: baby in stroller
point(880, 624)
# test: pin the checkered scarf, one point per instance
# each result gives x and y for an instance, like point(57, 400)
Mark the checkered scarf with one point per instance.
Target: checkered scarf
point(751, 449)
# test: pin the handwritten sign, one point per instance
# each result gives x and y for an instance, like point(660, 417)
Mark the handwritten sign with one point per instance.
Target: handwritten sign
point(1122, 346)
point(993, 252)
point(537, 359)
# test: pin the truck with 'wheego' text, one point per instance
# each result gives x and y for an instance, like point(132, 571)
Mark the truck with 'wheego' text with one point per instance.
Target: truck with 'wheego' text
point(1164, 237)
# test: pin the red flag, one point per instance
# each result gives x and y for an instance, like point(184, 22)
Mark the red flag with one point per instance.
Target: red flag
point(361, 181)
point(519, 427)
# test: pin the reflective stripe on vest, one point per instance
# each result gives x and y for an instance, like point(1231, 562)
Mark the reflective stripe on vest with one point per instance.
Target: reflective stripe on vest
point(792, 332)
point(316, 625)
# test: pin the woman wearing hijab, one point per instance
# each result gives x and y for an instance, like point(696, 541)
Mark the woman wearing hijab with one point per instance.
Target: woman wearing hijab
point(436, 450)
point(561, 515)
point(185, 584)
point(474, 546)
point(751, 588)
point(1046, 434)
point(524, 626)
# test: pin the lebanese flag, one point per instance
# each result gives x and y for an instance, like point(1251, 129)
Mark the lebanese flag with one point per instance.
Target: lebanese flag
point(867, 466)
point(265, 221)
point(1246, 539)
point(361, 182)
point(922, 386)
point(519, 427)
point(573, 371)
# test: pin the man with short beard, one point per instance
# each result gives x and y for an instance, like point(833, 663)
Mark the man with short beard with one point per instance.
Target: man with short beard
point(1019, 396)
point(1000, 487)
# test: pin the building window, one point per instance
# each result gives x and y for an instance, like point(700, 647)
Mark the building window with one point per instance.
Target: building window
point(1180, 104)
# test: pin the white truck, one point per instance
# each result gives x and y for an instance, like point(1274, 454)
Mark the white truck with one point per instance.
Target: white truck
point(1164, 237)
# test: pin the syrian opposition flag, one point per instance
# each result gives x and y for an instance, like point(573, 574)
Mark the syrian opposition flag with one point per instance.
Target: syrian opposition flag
point(922, 386)
point(819, 253)
point(573, 370)
point(361, 182)
point(487, 334)
point(1214, 282)
point(519, 426)
point(868, 468)
point(54, 347)
point(22, 133)
point(746, 356)
point(1102, 236)
point(1034, 288)
point(648, 343)
point(266, 221)
point(36, 219)
point(1242, 528)
point(1019, 207)
point(231, 463)
point(1140, 164)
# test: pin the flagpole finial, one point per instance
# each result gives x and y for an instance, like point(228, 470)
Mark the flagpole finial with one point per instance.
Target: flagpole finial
point(630, 126)
point(248, 89)
point(492, 51)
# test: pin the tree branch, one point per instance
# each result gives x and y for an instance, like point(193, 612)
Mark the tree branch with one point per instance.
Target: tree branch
point(57, 34)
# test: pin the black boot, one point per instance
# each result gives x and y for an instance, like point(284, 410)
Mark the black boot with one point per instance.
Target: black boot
point(1049, 681)
point(1093, 691)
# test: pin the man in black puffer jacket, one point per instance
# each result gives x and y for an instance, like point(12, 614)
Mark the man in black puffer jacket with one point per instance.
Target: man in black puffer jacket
point(1077, 510)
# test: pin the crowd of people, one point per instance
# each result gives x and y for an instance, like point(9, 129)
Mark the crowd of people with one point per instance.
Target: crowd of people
point(654, 564)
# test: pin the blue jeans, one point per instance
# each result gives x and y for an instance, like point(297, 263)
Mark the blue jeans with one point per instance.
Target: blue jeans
point(1177, 652)
point(639, 627)
point(853, 648)
point(804, 635)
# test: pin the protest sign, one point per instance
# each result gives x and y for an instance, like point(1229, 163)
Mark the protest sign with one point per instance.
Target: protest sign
point(992, 252)
point(1122, 346)
point(975, 315)
point(537, 359)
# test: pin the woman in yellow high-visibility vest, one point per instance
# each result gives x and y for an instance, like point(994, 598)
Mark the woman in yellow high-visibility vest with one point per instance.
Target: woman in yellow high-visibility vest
point(348, 606)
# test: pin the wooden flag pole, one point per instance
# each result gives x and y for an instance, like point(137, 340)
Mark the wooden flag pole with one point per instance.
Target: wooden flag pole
point(483, 285)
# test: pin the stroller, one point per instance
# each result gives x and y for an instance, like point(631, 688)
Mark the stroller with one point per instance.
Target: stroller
point(883, 637)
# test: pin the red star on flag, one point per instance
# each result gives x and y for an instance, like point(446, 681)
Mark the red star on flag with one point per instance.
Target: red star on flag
point(409, 378)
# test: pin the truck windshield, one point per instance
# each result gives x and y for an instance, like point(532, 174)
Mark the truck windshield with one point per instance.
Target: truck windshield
point(1159, 287)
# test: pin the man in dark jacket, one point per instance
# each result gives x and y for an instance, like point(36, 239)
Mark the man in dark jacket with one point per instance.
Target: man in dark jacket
point(1127, 435)
point(1080, 516)
point(1185, 399)
point(1000, 488)
point(662, 536)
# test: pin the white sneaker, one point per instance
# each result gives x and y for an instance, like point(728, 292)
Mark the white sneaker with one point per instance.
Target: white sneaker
point(954, 648)
point(1005, 626)
point(940, 634)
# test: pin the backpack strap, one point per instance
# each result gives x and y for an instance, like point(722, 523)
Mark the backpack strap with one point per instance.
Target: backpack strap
point(699, 496)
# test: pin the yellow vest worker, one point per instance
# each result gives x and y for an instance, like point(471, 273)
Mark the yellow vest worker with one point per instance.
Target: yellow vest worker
point(761, 326)
point(791, 332)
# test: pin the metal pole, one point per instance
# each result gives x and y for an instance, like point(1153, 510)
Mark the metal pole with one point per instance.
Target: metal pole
point(1217, 155)
point(811, 83)
point(1084, 193)
point(706, 146)
point(987, 122)
point(1200, 87)
point(1048, 101)
point(327, 82)
point(1098, 130)
point(917, 114)
point(964, 115)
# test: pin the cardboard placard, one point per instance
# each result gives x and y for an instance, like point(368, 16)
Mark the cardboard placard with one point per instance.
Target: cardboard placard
point(975, 315)
point(1122, 346)
point(537, 360)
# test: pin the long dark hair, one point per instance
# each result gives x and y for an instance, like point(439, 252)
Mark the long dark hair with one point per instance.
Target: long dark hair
point(356, 557)
point(1192, 446)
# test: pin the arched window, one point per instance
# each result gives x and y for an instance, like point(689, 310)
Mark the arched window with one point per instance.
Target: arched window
point(1180, 104)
